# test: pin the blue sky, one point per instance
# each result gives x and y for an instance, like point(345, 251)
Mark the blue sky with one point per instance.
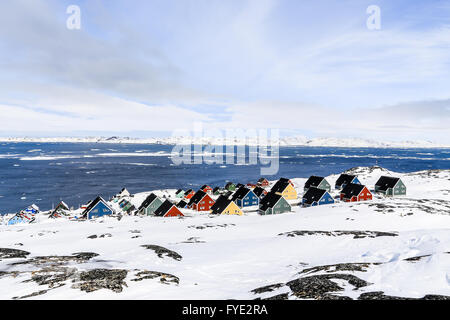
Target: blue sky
point(149, 67)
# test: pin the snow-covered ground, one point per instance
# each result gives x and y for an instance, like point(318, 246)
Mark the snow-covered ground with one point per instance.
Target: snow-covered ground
point(398, 246)
point(283, 141)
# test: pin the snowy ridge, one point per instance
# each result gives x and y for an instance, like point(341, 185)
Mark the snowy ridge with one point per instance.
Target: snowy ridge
point(284, 141)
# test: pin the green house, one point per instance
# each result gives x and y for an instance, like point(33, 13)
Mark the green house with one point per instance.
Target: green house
point(179, 193)
point(230, 186)
point(217, 191)
point(273, 203)
point(390, 186)
point(317, 182)
point(150, 204)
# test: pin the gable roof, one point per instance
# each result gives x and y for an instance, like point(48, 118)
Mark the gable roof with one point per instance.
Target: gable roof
point(352, 190)
point(62, 205)
point(94, 203)
point(221, 204)
point(269, 201)
point(188, 191)
point(280, 185)
point(197, 197)
point(261, 180)
point(258, 191)
point(205, 186)
point(163, 208)
point(313, 195)
point(179, 191)
point(182, 204)
point(150, 198)
point(313, 181)
point(216, 189)
point(229, 184)
point(240, 193)
point(385, 182)
point(345, 179)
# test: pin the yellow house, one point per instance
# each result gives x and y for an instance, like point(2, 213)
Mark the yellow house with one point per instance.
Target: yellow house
point(225, 206)
point(284, 188)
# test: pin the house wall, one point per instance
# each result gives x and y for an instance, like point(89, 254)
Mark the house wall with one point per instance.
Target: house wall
point(289, 193)
point(99, 210)
point(281, 207)
point(205, 204)
point(233, 209)
point(173, 212)
point(153, 206)
point(324, 185)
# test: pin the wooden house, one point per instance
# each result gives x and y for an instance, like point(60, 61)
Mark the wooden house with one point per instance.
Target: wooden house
point(179, 193)
point(97, 208)
point(217, 191)
point(230, 186)
point(390, 186)
point(251, 185)
point(59, 211)
point(355, 192)
point(123, 193)
point(168, 209)
point(223, 205)
point(345, 179)
point(284, 188)
point(263, 182)
point(244, 197)
point(189, 194)
point(206, 188)
point(317, 182)
point(260, 192)
point(315, 196)
point(273, 203)
point(201, 201)
point(150, 204)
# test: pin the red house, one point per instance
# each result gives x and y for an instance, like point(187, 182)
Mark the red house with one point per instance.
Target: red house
point(168, 209)
point(206, 188)
point(263, 182)
point(355, 192)
point(189, 194)
point(201, 201)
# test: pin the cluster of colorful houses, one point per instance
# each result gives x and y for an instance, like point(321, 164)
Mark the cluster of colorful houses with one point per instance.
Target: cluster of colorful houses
point(232, 198)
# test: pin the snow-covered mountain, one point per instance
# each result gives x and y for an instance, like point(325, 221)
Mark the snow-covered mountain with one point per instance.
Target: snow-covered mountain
point(284, 141)
point(385, 248)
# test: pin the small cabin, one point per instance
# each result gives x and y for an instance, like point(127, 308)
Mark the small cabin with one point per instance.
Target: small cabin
point(223, 205)
point(189, 194)
point(201, 201)
point(244, 197)
point(97, 208)
point(230, 186)
point(345, 179)
point(317, 182)
point(355, 192)
point(273, 203)
point(179, 193)
point(315, 197)
point(284, 187)
point(206, 188)
point(149, 205)
point(390, 186)
point(263, 182)
point(168, 209)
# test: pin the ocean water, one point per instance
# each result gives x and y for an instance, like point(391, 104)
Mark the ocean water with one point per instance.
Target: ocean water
point(45, 173)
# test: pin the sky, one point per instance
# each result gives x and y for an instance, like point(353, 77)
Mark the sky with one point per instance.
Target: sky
point(148, 68)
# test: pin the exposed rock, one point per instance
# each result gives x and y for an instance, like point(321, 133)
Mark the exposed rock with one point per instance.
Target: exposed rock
point(268, 288)
point(340, 267)
point(96, 279)
point(163, 277)
point(161, 251)
point(356, 234)
point(79, 257)
point(6, 253)
point(379, 295)
point(415, 259)
point(319, 286)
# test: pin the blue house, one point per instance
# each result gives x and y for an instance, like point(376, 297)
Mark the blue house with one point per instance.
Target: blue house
point(244, 197)
point(346, 179)
point(315, 196)
point(97, 208)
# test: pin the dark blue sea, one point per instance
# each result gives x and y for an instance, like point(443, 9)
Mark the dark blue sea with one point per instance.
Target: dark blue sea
point(45, 173)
